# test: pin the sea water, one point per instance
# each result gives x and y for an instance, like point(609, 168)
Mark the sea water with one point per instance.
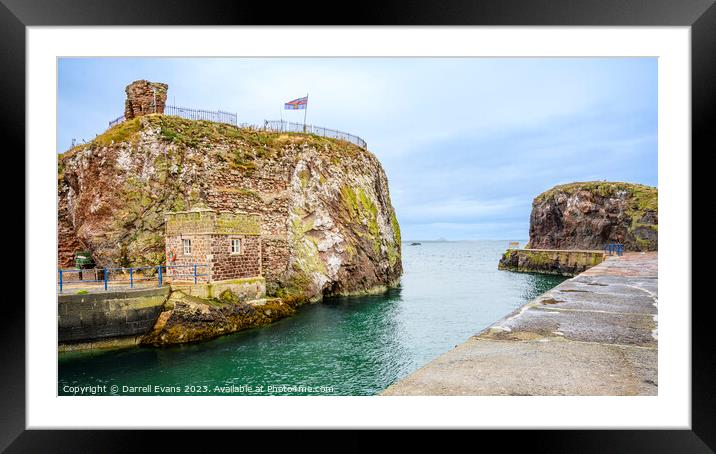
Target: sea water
point(342, 346)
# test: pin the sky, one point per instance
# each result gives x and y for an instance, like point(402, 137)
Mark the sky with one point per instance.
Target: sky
point(466, 143)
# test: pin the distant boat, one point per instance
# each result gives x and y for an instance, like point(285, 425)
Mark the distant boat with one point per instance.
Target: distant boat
point(415, 244)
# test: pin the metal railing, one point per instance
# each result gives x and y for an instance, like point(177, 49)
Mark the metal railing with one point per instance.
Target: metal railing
point(116, 121)
point(217, 116)
point(614, 248)
point(285, 126)
point(134, 277)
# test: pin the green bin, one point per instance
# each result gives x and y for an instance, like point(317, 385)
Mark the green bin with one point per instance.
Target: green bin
point(84, 260)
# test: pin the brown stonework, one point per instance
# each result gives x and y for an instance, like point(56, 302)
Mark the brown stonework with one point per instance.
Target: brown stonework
point(210, 233)
point(264, 193)
point(142, 96)
point(226, 265)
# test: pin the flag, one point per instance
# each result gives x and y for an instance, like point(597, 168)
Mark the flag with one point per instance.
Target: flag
point(297, 104)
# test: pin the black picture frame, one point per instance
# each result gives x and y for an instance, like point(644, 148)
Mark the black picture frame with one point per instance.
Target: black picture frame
point(700, 15)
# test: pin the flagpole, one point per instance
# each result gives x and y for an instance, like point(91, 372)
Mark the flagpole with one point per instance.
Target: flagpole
point(305, 111)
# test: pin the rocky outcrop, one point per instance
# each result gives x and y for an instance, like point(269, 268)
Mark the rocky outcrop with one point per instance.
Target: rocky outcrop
point(327, 223)
point(592, 214)
point(186, 318)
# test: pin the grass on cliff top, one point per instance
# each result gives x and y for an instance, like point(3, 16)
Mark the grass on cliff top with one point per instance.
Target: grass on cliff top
point(645, 197)
point(195, 133)
point(122, 132)
point(127, 131)
point(247, 144)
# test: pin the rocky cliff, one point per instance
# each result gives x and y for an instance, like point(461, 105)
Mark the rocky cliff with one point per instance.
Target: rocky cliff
point(328, 226)
point(592, 214)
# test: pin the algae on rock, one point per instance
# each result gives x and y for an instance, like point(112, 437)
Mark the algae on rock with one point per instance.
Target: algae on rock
point(328, 226)
point(591, 214)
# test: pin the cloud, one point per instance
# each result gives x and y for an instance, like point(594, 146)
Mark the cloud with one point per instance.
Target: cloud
point(446, 209)
point(466, 142)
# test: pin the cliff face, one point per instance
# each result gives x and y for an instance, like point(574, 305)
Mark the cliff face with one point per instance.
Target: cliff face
point(592, 214)
point(328, 226)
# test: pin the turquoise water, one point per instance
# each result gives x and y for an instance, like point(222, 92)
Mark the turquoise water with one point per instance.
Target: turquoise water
point(342, 346)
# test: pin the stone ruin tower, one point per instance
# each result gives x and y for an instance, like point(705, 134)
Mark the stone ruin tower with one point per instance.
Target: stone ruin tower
point(144, 97)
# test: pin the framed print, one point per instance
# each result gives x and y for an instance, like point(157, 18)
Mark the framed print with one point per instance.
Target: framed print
point(434, 218)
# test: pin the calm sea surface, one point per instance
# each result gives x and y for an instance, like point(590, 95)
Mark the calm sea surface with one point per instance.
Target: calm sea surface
point(342, 346)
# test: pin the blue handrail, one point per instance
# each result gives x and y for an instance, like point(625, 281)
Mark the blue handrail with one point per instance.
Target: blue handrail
point(159, 275)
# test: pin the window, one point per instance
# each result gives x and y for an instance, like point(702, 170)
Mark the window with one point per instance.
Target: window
point(187, 246)
point(235, 246)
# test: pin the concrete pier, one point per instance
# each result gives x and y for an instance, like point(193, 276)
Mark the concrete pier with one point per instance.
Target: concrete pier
point(563, 262)
point(594, 334)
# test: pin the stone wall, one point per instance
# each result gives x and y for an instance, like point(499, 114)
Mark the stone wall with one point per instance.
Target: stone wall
point(206, 221)
point(547, 261)
point(108, 315)
point(263, 193)
point(211, 233)
point(142, 96)
point(227, 265)
point(242, 290)
point(200, 250)
point(275, 253)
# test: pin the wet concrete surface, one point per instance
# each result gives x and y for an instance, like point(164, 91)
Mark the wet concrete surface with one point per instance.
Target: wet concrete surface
point(594, 334)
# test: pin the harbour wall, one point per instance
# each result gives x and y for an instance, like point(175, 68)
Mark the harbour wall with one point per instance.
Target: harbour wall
point(550, 261)
point(594, 334)
point(124, 318)
point(106, 319)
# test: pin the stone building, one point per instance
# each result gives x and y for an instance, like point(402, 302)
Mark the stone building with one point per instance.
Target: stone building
point(224, 245)
point(144, 97)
